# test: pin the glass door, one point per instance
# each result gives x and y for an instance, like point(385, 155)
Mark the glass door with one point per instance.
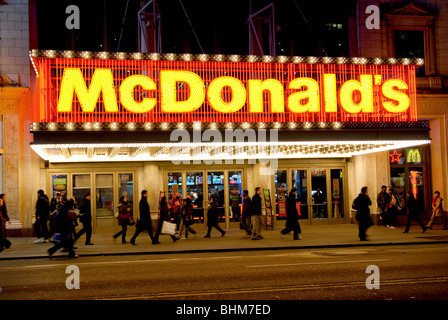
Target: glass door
point(319, 193)
point(215, 188)
point(235, 195)
point(81, 186)
point(300, 182)
point(104, 200)
point(195, 189)
point(337, 193)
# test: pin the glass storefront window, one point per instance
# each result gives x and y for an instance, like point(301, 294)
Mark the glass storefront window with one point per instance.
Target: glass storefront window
point(397, 156)
point(416, 187)
point(299, 181)
point(195, 189)
point(235, 194)
point(215, 185)
point(126, 187)
point(104, 195)
point(174, 184)
point(337, 194)
point(398, 187)
point(81, 186)
point(59, 184)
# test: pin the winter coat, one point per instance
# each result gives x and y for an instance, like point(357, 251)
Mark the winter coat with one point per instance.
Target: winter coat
point(362, 203)
point(292, 214)
point(145, 213)
point(247, 206)
point(43, 207)
point(85, 211)
point(212, 214)
point(256, 205)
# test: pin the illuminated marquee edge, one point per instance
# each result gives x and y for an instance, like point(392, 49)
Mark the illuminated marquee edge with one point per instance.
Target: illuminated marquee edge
point(216, 151)
point(102, 55)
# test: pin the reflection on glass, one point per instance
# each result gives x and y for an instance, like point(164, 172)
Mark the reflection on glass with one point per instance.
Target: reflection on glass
point(235, 194)
point(337, 194)
point(299, 181)
point(281, 192)
point(81, 186)
point(416, 186)
point(398, 185)
point(215, 185)
point(319, 193)
point(104, 195)
point(174, 184)
point(126, 188)
point(195, 189)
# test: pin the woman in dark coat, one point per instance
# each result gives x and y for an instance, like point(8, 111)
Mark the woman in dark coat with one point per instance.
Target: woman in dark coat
point(65, 229)
point(187, 217)
point(124, 218)
point(411, 207)
point(292, 216)
point(212, 218)
point(361, 204)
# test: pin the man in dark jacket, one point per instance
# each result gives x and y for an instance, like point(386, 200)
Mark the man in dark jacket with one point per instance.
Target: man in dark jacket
point(86, 219)
point(362, 203)
point(256, 215)
point(383, 200)
point(292, 216)
point(145, 222)
point(247, 207)
point(42, 216)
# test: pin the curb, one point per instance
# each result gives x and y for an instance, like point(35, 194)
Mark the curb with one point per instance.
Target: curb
point(228, 250)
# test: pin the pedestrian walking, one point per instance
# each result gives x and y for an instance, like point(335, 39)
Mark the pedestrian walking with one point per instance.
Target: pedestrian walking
point(4, 218)
point(145, 222)
point(64, 236)
point(164, 216)
point(361, 204)
point(42, 216)
point(124, 218)
point(54, 207)
point(175, 208)
point(437, 211)
point(247, 207)
point(86, 219)
point(394, 208)
point(413, 214)
point(292, 216)
point(187, 218)
point(212, 218)
point(256, 215)
point(383, 201)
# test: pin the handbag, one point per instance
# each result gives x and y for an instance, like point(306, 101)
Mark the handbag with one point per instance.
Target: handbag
point(168, 228)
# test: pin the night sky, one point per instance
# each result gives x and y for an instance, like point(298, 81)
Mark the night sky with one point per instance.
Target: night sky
point(221, 26)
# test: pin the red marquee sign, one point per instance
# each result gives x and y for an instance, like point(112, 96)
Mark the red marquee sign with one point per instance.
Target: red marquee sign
point(187, 88)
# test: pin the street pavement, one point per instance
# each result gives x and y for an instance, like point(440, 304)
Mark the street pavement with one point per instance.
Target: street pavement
point(313, 236)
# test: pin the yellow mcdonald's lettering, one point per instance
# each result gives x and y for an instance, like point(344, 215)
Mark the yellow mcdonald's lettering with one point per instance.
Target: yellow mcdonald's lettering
point(330, 93)
point(256, 89)
point(414, 156)
point(311, 93)
point(73, 81)
point(365, 88)
point(400, 97)
point(168, 81)
point(127, 94)
point(214, 94)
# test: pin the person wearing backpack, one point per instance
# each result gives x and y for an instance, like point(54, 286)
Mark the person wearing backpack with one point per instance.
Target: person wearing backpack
point(361, 204)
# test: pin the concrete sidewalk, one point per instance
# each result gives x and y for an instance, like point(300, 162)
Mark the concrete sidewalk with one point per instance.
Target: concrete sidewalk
point(325, 236)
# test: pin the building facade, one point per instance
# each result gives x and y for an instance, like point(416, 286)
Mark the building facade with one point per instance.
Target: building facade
point(327, 157)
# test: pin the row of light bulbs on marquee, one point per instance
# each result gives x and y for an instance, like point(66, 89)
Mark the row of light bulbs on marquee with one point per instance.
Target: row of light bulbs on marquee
point(220, 57)
point(130, 126)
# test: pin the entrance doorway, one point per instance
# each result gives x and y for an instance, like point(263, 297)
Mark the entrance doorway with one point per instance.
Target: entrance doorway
point(320, 193)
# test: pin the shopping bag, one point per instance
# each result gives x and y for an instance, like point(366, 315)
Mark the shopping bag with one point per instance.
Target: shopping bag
point(168, 228)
